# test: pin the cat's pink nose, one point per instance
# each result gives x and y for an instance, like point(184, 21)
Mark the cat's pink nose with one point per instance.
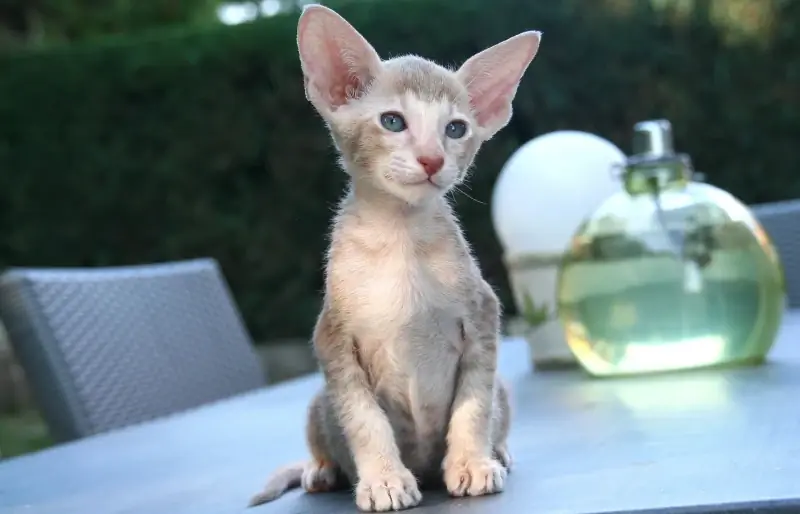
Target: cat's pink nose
point(431, 165)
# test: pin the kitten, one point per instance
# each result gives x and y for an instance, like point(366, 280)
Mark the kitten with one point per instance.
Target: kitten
point(407, 337)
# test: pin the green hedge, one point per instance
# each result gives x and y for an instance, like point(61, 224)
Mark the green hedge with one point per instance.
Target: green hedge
point(194, 144)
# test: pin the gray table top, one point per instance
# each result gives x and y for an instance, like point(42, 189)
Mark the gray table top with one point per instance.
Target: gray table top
point(580, 445)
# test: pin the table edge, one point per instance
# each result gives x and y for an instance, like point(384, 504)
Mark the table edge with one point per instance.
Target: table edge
point(778, 506)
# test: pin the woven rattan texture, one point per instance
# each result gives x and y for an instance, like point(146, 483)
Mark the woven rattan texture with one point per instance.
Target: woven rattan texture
point(128, 344)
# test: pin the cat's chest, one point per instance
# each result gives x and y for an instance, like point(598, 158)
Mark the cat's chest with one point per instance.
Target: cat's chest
point(399, 286)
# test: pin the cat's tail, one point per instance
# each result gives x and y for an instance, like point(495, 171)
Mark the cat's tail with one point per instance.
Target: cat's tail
point(284, 479)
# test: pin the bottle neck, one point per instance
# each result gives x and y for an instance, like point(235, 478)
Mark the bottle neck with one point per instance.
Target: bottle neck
point(646, 174)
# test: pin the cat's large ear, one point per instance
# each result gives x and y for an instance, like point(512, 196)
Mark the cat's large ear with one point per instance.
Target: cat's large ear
point(492, 77)
point(338, 63)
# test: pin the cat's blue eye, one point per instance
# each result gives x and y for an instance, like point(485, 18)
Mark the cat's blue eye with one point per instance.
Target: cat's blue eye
point(393, 122)
point(455, 129)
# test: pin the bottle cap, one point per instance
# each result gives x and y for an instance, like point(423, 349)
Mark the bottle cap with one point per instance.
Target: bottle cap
point(653, 138)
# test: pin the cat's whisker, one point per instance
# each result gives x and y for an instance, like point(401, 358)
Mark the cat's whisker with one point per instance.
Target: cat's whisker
point(461, 191)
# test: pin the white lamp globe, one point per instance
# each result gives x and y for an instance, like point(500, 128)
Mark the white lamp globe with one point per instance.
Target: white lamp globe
point(542, 195)
point(547, 188)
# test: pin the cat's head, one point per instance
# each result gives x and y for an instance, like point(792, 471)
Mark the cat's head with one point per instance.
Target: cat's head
point(406, 126)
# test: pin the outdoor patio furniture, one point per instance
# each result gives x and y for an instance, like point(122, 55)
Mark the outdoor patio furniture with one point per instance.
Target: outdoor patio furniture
point(781, 220)
point(713, 441)
point(701, 442)
point(103, 348)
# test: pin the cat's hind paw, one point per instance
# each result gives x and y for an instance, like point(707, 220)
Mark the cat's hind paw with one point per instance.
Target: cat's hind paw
point(319, 477)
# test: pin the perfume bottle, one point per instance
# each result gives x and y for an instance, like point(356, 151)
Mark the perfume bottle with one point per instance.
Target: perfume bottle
point(670, 273)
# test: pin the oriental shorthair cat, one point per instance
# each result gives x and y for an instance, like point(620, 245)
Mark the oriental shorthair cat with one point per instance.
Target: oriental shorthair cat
point(408, 331)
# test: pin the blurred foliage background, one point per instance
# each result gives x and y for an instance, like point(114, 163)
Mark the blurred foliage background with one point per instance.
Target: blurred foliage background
point(35, 23)
point(142, 131)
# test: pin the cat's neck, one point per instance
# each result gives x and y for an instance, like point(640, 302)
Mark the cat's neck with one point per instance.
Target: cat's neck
point(375, 204)
point(380, 221)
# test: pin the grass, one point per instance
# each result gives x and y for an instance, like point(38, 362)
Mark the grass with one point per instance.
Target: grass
point(22, 433)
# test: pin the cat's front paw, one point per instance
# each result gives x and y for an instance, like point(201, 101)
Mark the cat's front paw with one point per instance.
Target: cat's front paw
point(381, 492)
point(474, 476)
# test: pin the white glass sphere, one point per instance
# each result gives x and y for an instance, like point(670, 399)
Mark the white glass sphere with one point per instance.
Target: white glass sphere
point(547, 188)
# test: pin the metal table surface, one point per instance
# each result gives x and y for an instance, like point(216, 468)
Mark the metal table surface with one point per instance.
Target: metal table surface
point(704, 441)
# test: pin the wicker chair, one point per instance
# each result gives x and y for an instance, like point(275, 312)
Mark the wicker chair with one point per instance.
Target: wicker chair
point(781, 220)
point(104, 348)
